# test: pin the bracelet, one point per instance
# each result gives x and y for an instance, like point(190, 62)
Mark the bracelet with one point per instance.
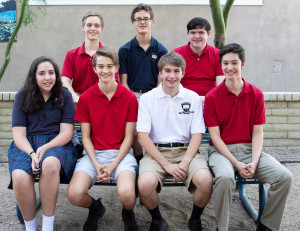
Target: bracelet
point(31, 153)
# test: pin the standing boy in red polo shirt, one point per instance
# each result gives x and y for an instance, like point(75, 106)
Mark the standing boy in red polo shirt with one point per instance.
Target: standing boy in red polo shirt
point(203, 70)
point(77, 73)
point(235, 114)
point(107, 112)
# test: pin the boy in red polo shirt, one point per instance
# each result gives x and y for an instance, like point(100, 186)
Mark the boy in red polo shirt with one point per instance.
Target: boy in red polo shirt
point(234, 114)
point(203, 70)
point(77, 73)
point(107, 112)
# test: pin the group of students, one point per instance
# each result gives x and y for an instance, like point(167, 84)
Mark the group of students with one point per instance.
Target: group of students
point(155, 106)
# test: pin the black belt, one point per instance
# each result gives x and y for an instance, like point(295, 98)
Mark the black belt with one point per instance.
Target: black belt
point(172, 145)
point(139, 91)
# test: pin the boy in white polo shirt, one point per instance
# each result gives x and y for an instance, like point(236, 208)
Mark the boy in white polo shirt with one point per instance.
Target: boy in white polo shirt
point(170, 127)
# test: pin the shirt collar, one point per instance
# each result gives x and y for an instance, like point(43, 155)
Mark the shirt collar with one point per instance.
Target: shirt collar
point(118, 92)
point(192, 53)
point(136, 43)
point(162, 94)
point(82, 50)
point(225, 90)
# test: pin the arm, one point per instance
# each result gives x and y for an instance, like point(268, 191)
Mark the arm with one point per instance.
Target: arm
point(215, 136)
point(108, 169)
point(219, 79)
point(257, 143)
point(63, 137)
point(151, 149)
point(123, 80)
point(67, 83)
point(21, 141)
point(88, 144)
point(191, 152)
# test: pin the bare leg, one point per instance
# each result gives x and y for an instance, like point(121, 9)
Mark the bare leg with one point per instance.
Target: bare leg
point(49, 184)
point(202, 179)
point(23, 184)
point(77, 190)
point(147, 188)
point(126, 189)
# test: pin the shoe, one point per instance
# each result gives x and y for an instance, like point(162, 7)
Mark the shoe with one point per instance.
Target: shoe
point(129, 222)
point(158, 225)
point(195, 225)
point(261, 227)
point(91, 222)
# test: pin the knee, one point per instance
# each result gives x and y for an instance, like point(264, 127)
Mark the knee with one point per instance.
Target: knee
point(19, 178)
point(225, 181)
point(51, 166)
point(286, 177)
point(203, 180)
point(127, 196)
point(147, 183)
point(74, 195)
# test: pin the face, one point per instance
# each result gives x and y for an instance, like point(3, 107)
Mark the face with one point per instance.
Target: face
point(45, 77)
point(144, 26)
point(171, 76)
point(92, 28)
point(198, 38)
point(232, 66)
point(105, 69)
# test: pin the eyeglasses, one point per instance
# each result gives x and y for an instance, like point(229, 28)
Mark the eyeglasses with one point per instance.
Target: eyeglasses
point(139, 20)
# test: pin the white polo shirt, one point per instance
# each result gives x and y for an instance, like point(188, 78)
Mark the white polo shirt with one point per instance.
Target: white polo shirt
point(170, 120)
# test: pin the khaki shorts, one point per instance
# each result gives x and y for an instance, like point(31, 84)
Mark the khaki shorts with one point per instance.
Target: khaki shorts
point(173, 155)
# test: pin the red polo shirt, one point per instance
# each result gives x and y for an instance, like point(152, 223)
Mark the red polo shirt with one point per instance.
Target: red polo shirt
point(107, 118)
point(235, 115)
point(78, 66)
point(201, 70)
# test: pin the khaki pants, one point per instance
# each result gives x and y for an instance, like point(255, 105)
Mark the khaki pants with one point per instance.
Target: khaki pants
point(269, 170)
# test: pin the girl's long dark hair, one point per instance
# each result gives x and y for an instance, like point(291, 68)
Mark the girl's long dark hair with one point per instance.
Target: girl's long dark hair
point(31, 99)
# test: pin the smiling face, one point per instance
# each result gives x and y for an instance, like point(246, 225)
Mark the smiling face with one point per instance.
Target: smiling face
point(105, 69)
point(232, 66)
point(45, 77)
point(92, 28)
point(198, 38)
point(144, 26)
point(171, 76)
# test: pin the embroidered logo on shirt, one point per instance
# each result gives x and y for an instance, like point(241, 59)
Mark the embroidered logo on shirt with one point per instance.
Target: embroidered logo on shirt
point(186, 108)
point(153, 57)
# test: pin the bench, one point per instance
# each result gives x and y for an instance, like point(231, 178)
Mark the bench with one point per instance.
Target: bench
point(240, 185)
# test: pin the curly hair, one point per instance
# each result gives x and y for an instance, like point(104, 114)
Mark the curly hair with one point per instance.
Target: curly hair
point(31, 99)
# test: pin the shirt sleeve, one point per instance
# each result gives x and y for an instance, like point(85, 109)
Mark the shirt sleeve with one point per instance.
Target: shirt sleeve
point(68, 109)
point(198, 125)
point(210, 115)
point(260, 114)
point(19, 118)
point(82, 111)
point(67, 70)
point(144, 116)
point(123, 60)
point(133, 110)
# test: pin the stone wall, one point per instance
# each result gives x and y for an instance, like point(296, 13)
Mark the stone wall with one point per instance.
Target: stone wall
point(282, 128)
point(283, 119)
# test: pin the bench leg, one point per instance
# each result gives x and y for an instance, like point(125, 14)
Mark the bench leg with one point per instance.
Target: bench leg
point(19, 214)
point(248, 205)
point(262, 200)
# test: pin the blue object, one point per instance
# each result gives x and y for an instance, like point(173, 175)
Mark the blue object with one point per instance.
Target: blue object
point(240, 185)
